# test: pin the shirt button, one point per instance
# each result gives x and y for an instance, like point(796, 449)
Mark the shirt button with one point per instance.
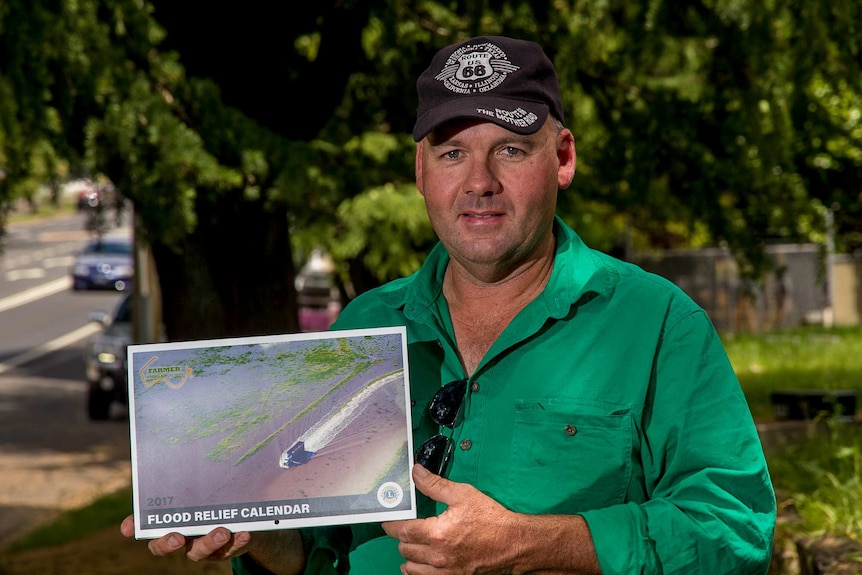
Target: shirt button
point(466, 444)
point(571, 430)
point(474, 387)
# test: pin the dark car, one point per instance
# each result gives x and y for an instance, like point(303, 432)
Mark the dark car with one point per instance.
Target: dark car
point(105, 360)
point(106, 263)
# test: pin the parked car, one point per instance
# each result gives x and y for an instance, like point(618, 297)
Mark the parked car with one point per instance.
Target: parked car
point(105, 360)
point(90, 195)
point(105, 263)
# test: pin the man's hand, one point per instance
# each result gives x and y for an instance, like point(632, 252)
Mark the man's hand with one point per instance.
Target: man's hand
point(217, 545)
point(474, 535)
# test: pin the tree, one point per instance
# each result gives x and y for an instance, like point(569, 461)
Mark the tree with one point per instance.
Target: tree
point(697, 116)
point(274, 127)
point(211, 187)
point(702, 123)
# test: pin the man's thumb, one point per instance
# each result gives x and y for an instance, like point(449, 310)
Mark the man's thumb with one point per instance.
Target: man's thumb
point(434, 486)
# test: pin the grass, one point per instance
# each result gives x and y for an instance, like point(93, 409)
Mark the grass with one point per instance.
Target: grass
point(43, 210)
point(818, 475)
point(78, 523)
point(818, 484)
point(804, 358)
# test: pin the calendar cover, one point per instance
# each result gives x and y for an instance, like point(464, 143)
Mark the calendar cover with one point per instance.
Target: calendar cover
point(274, 432)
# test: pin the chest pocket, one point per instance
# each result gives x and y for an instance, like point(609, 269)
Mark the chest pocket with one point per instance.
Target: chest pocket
point(568, 458)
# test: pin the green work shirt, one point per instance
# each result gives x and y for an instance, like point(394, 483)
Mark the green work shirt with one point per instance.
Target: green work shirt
point(609, 396)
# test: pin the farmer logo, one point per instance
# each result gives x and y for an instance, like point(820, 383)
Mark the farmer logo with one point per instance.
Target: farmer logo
point(172, 375)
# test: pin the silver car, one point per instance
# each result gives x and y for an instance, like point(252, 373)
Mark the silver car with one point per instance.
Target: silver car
point(105, 360)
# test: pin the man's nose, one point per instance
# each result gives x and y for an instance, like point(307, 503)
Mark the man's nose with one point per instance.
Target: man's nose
point(482, 179)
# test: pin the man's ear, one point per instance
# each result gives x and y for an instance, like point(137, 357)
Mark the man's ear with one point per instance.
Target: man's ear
point(567, 157)
point(418, 168)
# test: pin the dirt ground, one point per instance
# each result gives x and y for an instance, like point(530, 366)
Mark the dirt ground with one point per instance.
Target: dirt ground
point(53, 459)
point(103, 553)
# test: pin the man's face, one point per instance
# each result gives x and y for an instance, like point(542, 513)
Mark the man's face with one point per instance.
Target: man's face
point(490, 193)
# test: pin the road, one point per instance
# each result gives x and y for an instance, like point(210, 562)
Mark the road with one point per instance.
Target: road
point(52, 458)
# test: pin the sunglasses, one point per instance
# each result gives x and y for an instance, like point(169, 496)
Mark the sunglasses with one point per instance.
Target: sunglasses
point(435, 452)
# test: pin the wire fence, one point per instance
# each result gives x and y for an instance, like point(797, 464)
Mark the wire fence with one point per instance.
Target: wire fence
point(796, 292)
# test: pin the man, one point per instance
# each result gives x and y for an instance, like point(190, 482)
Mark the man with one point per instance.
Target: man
point(592, 423)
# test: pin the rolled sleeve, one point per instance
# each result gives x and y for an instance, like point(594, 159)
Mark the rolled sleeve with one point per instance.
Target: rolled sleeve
point(711, 505)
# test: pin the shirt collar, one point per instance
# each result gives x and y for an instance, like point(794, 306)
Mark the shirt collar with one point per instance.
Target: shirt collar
point(577, 272)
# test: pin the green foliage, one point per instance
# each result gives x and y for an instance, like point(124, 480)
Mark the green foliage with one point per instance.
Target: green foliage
point(803, 358)
point(816, 473)
point(687, 114)
point(388, 246)
point(819, 477)
point(702, 123)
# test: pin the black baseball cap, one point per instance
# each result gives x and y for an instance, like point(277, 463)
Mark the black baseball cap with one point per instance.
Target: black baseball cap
point(509, 82)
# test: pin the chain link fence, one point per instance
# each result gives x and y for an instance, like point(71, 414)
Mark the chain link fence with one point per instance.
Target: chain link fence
point(796, 292)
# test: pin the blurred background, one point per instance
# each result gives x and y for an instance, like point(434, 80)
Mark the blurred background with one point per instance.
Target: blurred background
point(178, 170)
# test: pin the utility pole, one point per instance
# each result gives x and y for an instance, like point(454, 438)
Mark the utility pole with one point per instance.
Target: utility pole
point(829, 311)
point(147, 308)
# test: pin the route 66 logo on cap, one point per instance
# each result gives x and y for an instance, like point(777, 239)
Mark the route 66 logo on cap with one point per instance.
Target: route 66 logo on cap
point(476, 69)
point(509, 82)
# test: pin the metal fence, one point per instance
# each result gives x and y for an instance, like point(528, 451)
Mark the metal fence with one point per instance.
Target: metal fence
point(795, 293)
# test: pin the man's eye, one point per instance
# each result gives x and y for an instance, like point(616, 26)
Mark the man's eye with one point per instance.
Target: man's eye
point(511, 152)
point(452, 155)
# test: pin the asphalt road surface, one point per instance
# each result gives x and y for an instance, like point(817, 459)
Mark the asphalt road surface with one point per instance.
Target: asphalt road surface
point(52, 457)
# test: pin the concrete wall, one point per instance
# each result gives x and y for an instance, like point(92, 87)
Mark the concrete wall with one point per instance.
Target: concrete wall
point(847, 290)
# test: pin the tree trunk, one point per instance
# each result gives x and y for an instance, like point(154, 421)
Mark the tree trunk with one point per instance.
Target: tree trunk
point(233, 277)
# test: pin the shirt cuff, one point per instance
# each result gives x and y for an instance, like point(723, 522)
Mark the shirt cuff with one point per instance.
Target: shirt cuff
point(620, 539)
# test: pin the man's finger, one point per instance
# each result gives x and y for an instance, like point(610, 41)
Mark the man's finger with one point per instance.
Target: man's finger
point(127, 527)
point(166, 545)
point(214, 545)
point(163, 546)
point(410, 530)
point(236, 542)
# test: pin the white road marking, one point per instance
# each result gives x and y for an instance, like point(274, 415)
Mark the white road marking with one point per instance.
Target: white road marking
point(45, 290)
point(58, 261)
point(42, 291)
point(53, 345)
point(25, 274)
